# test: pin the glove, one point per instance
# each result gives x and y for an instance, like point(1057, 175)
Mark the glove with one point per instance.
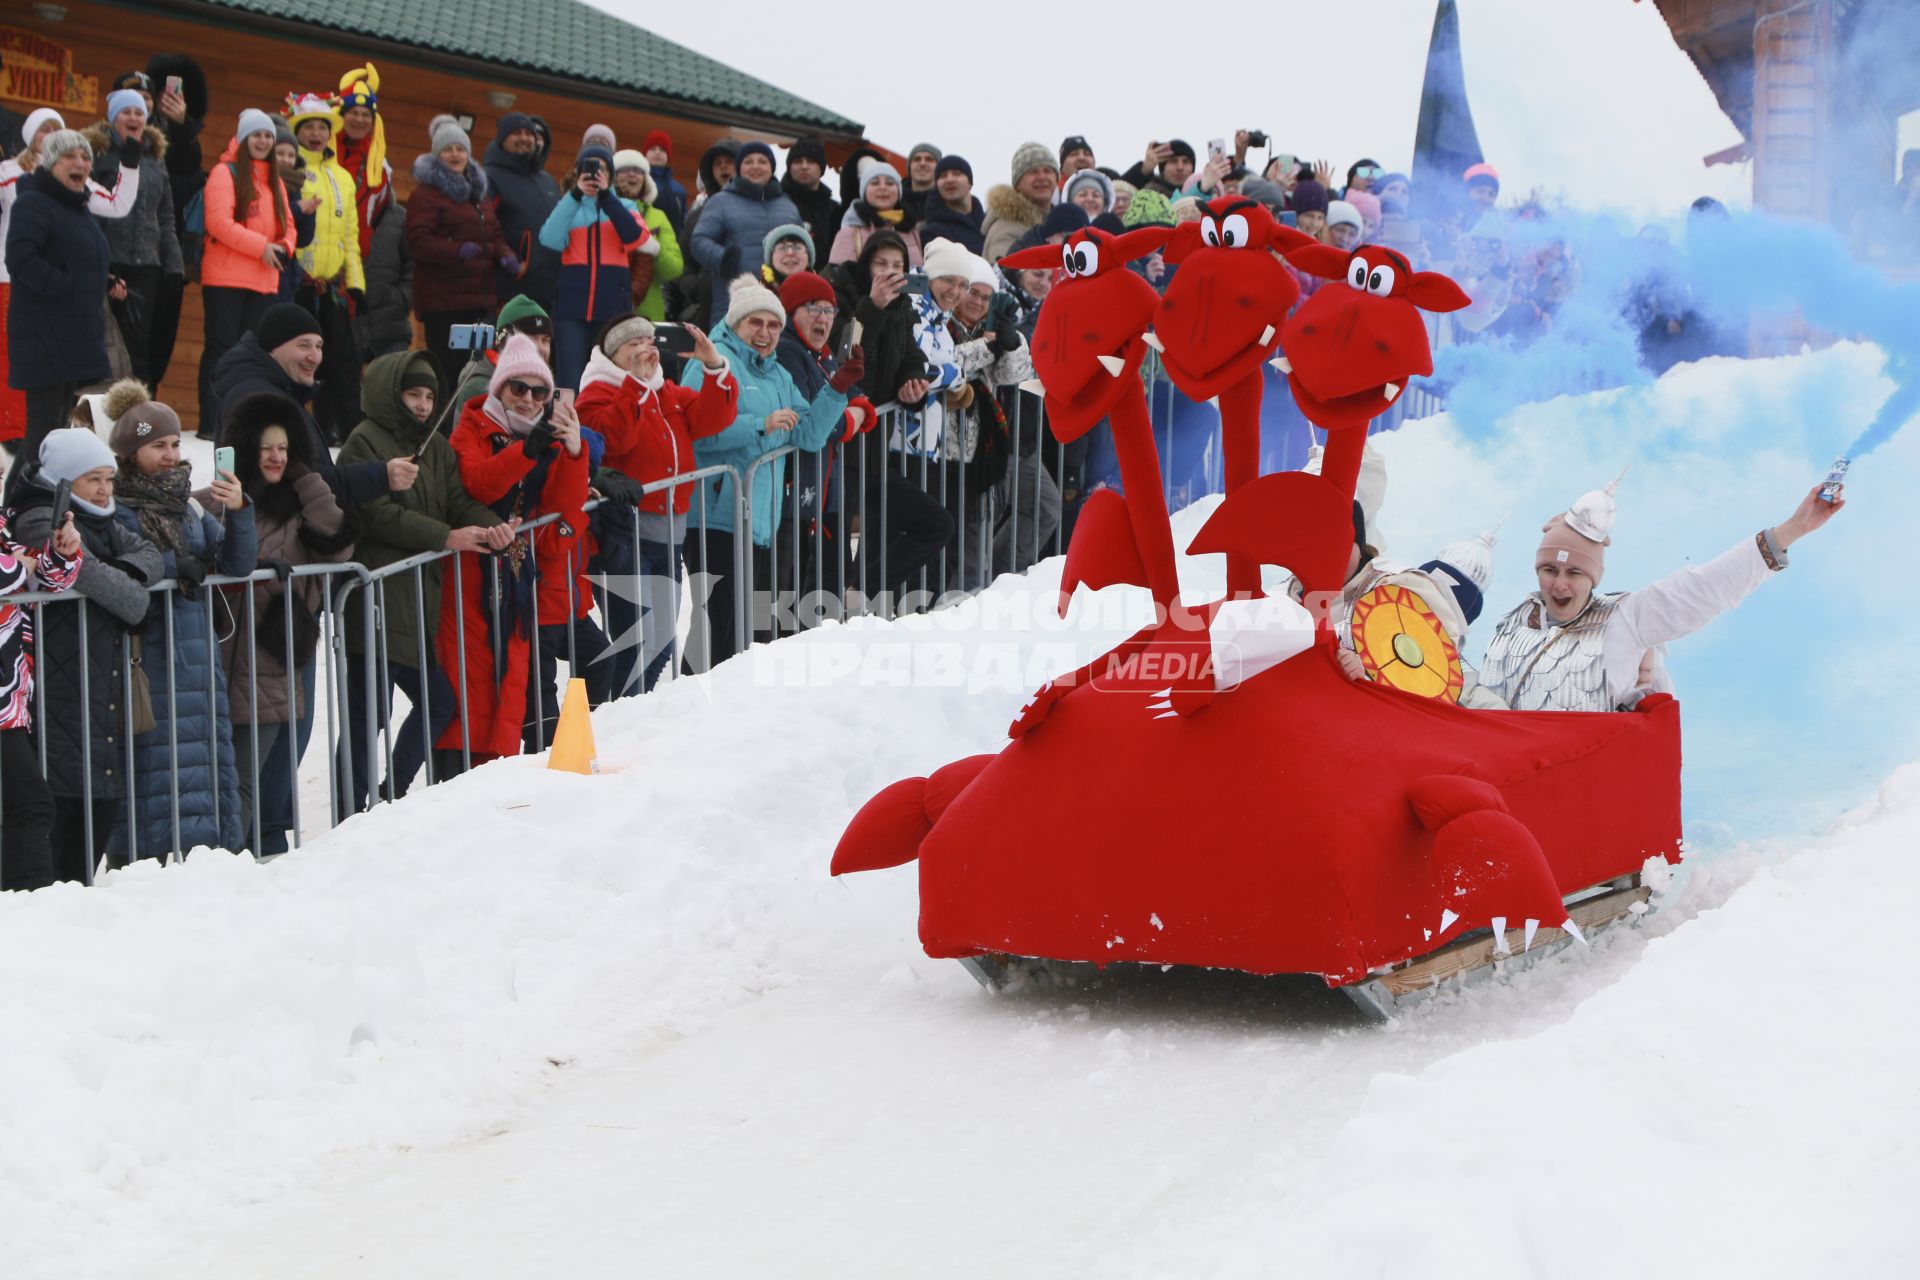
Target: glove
point(850, 371)
point(618, 487)
point(128, 150)
point(539, 441)
point(191, 571)
point(510, 264)
point(281, 569)
point(469, 251)
point(730, 262)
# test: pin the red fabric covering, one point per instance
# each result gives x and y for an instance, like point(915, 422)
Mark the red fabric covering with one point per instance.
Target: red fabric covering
point(1334, 875)
point(13, 403)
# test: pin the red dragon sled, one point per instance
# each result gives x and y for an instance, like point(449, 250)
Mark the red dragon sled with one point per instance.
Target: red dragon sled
point(1293, 820)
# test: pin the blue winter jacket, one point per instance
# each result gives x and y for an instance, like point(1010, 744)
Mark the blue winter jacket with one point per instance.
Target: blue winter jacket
point(737, 218)
point(190, 700)
point(592, 240)
point(764, 387)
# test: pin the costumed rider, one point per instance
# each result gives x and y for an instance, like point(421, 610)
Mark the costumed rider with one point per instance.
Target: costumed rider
point(1568, 648)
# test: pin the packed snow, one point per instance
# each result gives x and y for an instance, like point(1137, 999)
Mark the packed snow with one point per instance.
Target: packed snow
point(536, 1023)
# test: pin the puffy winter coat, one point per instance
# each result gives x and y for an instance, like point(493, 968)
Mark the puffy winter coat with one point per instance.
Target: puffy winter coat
point(524, 194)
point(383, 324)
point(1010, 215)
point(146, 236)
point(114, 200)
point(448, 210)
point(246, 369)
point(404, 524)
point(501, 609)
point(764, 387)
point(592, 240)
point(333, 255)
point(24, 569)
point(190, 711)
point(943, 223)
point(859, 224)
point(56, 311)
point(114, 570)
point(650, 429)
point(733, 224)
point(297, 520)
point(236, 237)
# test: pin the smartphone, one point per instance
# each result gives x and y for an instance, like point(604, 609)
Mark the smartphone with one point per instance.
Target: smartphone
point(1216, 147)
point(1286, 162)
point(223, 459)
point(916, 283)
point(62, 503)
point(672, 340)
point(173, 85)
point(1288, 218)
point(470, 337)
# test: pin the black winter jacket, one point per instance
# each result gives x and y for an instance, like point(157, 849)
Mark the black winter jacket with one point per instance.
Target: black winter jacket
point(525, 194)
point(383, 324)
point(57, 311)
point(964, 229)
point(246, 369)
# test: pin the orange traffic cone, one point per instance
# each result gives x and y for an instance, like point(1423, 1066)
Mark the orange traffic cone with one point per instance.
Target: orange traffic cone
point(573, 739)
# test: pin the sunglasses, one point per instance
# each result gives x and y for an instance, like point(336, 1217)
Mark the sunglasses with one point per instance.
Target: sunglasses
point(1368, 171)
point(534, 390)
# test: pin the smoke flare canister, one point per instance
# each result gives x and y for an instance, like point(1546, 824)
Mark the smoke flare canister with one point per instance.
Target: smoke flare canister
point(1830, 487)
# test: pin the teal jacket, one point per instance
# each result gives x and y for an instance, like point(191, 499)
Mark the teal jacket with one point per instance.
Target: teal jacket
point(764, 387)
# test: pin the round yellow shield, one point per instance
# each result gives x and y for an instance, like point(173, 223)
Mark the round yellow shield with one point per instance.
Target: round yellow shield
point(1402, 644)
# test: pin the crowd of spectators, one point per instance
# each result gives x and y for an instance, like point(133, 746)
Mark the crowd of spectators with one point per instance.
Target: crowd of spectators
point(739, 323)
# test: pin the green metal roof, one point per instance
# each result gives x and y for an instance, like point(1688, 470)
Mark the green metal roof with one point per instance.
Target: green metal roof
point(557, 37)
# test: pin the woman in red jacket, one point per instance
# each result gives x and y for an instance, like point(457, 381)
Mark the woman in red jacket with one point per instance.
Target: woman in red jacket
point(649, 424)
point(456, 242)
point(250, 236)
point(520, 453)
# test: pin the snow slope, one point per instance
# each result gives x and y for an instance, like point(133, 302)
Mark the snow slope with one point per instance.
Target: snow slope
point(528, 1023)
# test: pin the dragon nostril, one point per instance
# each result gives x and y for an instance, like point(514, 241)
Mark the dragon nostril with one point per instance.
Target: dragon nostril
point(1089, 336)
point(1309, 329)
point(1382, 347)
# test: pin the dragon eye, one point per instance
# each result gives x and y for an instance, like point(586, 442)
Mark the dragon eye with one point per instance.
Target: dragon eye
point(1357, 273)
point(1209, 233)
point(1234, 233)
point(1066, 260)
point(1380, 281)
point(1087, 255)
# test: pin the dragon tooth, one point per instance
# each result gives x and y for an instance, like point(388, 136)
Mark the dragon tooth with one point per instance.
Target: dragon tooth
point(1281, 363)
point(1391, 391)
point(1572, 930)
point(1447, 918)
point(1152, 339)
point(1532, 926)
point(1500, 947)
point(1112, 364)
point(1266, 336)
point(1033, 385)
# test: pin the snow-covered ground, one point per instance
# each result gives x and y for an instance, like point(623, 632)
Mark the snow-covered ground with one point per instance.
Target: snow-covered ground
point(535, 1023)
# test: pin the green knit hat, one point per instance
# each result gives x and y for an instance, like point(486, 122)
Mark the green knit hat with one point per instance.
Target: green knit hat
point(788, 231)
point(1148, 208)
point(521, 307)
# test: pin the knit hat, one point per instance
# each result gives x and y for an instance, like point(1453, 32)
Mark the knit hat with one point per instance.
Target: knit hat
point(747, 295)
point(601, 134)
point(1110, 223)
point(253, 120)
point(283, 133)
point(1482, 173)
point(1369, 206)
point(71, 452)
point(1580, 536)
point(787, 231)
point(945, 258)
point(519, 359)
point(447, 132)
point(594, 156)
point(1466, 569)
point(282, 323)
point(1179, 147)
point(38, 117)
point(1307, 196)
point(523, 315)
point(1149, 208)
point(1342, 211)
point(1063, 220)
point(61, 141)
point(1093, 178)
point(1189, 209)
point(142, 421)
point(1260, 191)
point(1387, 180)
point(360, 87)
point(1121, 187)
point(871, 169)
point(980, 271)
point(752, 149)
point(924, 149)
point(1071, 143)
point(954, 163)
point(625, 160)
point(658, 138)
point(802, 287)
point(419, 373)
point(514, 122)
point(1030, 156)
point(625, 330)
point(120, 99)
point(808, 148)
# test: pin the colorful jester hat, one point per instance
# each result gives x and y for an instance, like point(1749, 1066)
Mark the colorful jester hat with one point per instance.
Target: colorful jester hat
point(360, 87)
point(302, 107)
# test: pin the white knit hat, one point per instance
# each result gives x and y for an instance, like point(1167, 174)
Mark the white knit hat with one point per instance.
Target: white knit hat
point(747, 295)
point(980, 271)
point(253, 120)
point(1339, 211)
point(71, 452)
point(945, 258)
point(37, 118)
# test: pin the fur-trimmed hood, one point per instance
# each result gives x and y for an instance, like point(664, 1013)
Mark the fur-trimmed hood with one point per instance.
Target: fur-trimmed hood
point(1008, 205)
point(99, 136)
point(468, 188)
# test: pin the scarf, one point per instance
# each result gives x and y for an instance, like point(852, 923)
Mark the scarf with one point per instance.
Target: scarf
point(508, 420)
point(892, 217)
point(160, 501)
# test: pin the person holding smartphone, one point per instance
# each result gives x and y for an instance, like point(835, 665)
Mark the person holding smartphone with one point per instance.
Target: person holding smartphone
point(250, 237)
point(592, 230)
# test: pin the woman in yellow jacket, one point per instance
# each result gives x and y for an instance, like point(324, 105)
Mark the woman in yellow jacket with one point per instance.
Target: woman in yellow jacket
point(250, 234)
point(333, 283)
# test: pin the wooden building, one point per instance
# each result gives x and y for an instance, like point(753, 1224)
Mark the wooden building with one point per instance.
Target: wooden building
point(562, 60)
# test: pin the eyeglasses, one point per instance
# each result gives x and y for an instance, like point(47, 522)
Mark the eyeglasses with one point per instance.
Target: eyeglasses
point(1368, 171)
point(532, 390)
point(819, 308)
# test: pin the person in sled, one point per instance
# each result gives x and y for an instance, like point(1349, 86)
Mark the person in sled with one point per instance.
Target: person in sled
point(1567, 647)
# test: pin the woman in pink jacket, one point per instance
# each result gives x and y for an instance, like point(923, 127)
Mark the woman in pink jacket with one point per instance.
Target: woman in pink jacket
point(250, 234)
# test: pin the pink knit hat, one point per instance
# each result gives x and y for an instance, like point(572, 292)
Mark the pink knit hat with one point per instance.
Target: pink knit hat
point(519, 359)
point(1562, 545)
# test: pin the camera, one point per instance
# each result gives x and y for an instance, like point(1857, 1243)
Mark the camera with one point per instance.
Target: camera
point(1256, 137)
point(470, 337)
